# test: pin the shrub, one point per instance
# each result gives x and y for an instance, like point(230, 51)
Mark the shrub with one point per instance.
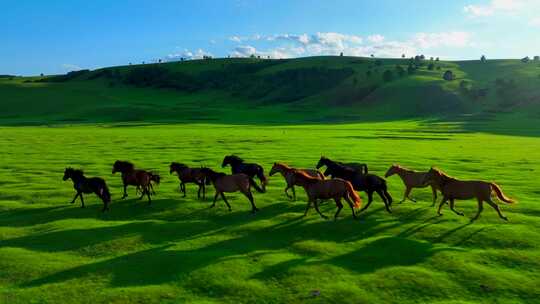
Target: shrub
point(525, 59)
point(449, 75)
point(431, 67)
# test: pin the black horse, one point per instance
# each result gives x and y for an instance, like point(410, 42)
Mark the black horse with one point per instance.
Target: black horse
point(368, 183)
point(251, 170)
point(83, 184)
point(363, 168)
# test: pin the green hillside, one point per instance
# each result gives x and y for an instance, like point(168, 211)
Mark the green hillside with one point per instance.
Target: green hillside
point(305, 90)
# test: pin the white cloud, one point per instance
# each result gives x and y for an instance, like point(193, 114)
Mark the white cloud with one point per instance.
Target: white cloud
point(235, 39)
point(501, 6)
point(535, 21)
point(445, 39)
point(187, 55)
point(376, 38)
point(71, 67)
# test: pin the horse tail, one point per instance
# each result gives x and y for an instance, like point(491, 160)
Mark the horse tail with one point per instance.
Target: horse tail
point(500, 194)
point(353, 195)
point(254, 184)
point(386, 193)
point(105, 194)
point(365, 169)
point(260, 175)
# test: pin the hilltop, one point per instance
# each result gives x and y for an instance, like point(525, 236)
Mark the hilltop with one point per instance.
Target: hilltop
point(255, 91)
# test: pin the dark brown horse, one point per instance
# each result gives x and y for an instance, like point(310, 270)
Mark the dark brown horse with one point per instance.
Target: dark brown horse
point(335, 188)
point(189, 175)
point(231, 183)
point(239, 166)
point(133, 177)
point(83, 184)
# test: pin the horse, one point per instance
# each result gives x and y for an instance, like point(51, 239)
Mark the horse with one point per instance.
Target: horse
point(336, 189)
point(411, 179)
point(231, 183)
point(368, 183)
point(189, 175)
point(133, 177)
point(154, 179)
point(363, 168)
point(238, 166)
point(83, 184)
point(452, 189)
point(288, 173)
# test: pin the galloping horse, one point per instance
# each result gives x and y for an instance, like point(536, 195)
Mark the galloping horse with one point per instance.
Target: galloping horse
point(363, 168)
point(231, 183)
point(327, 189)
point(83, 184)
point(411, 179)
point(288, 173)
point(251, 170)
point(133, 177)
point(368, 183)
point(453, 189)
point(189, 175)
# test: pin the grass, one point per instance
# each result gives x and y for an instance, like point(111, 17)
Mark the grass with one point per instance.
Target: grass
point(178, 250)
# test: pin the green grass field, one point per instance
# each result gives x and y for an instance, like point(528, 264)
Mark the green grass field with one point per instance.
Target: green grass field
point(178, 250)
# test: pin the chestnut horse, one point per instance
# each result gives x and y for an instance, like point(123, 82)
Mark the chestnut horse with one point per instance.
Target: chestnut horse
point(411, 179)
point(231, 183)
point(288, 173)
point(335, 188)
point(133, 177)
point(453, 188)
point(239, 166)
point(189, 175)
point(84, 184)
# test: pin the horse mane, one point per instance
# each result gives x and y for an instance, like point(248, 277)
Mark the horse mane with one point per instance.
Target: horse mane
point(75, 172)
point(178, 165)
point(234, 158)
point(283, 165)
point(124, 164)
point(305, 175)
point(442, 174)
point(213, 175)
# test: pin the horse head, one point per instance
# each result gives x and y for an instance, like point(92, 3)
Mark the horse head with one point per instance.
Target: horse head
point(323, 161)
point(231, 160)
point(392, 170)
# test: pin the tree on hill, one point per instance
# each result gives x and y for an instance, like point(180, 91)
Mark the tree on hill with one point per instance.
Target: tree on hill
point(536, 58)
point(437, 59)
point(449, 75)
point(431, 67)
point(402, 55)
point(388, 76)
point(483, 58)
point(525, 59)
point(341, 54)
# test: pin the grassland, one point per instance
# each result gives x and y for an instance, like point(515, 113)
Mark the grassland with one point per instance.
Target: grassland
point(178, 250)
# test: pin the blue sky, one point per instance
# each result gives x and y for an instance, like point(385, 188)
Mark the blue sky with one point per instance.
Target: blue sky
point(59, 36)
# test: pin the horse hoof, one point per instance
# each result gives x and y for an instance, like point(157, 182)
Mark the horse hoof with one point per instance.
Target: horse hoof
point(505, 218)
point(439, 214)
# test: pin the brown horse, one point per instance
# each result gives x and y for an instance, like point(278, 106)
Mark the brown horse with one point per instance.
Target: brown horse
point(411, 179)
point(133, 177)
point(231, 183)
point(335, 188)
point(288, 173)
point(452, 189)
point(189, 175)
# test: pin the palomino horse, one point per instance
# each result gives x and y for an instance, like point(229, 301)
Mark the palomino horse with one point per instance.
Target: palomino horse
point(83, 184)
point(368, 183)
point(452, 189)
point(327, 189)
point(363, 168)
point(288, 173)
point(189, 175)
point(231, 183)
point(251, 170)
point(131, 176)
point(411, 179)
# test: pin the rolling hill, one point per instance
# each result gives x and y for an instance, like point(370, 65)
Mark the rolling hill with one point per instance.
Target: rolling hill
point(257, 91)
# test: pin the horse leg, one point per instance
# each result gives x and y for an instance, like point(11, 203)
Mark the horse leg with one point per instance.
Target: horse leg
point(225, 200)
point(370, 199)
point(215, 199)
point(199, 191)
point(480, 208)
point(307, 207)
point(76, 195)
point(287, 193)
point(339, 206)
point(452, 207)
point(386, 205)
point(148, 195)
point(82, 200)
point(203, 190)
point(319, 211)
point(434, 195)
point(183, 188)
point(405, 194)
point(348, 200)
point(443, 201)
point(409, 195)
point(125, 191)
point(143, 192)
point(497, 208)
point(249, 195)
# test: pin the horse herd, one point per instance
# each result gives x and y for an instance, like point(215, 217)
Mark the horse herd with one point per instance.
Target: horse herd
point(340, 181)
